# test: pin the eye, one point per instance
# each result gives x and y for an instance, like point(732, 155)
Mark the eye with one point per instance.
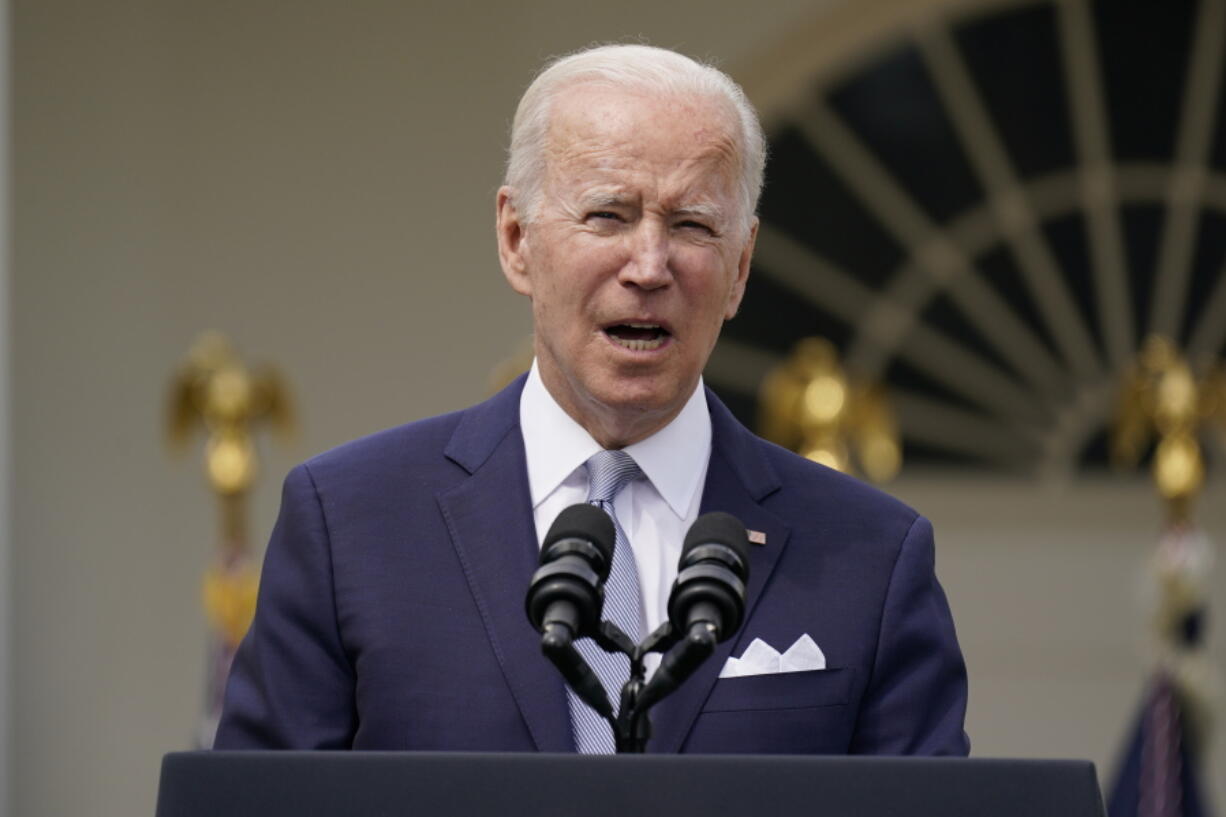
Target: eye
point(604, 215)
point(691, 224)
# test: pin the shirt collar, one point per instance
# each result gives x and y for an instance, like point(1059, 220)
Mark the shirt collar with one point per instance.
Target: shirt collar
point(674, 458)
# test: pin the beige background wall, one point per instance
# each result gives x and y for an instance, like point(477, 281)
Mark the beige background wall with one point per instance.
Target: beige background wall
point(317, 180)
point(6, 599)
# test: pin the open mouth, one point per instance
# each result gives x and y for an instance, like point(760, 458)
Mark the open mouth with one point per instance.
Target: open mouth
point(638, 337)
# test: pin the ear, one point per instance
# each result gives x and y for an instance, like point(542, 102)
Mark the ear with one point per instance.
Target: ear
point(511, 243)
point(742, 272)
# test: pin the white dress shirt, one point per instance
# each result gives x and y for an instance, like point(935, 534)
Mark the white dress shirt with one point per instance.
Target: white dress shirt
point(654, 512)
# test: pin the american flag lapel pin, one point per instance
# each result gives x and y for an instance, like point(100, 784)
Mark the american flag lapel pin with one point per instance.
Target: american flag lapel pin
point(756, 537)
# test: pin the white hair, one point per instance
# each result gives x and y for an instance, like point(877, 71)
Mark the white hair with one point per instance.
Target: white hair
point(631, 67)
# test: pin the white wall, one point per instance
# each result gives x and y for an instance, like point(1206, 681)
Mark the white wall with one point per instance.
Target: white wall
point(1048, 587)
point(317, 180)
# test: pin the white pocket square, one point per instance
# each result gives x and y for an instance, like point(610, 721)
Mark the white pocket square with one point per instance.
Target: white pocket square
point(761, 658)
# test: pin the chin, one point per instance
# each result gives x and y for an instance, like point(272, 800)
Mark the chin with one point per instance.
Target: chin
point(642, 395)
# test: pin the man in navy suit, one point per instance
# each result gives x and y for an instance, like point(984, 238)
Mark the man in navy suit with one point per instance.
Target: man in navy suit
point(391, 610)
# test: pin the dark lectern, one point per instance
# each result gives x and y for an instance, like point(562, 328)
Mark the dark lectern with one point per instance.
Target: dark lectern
point(361, 784)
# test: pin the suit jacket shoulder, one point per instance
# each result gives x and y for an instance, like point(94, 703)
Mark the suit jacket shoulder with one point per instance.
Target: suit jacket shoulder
point(811, 497)
point(430, 454)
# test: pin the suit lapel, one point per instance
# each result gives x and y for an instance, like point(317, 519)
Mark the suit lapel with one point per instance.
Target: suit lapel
point(739, 477)
point(489, 517)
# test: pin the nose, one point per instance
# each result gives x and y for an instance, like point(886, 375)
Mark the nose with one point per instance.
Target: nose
point(647, 266)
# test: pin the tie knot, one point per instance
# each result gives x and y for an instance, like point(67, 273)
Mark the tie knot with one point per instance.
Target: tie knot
point(608, 472)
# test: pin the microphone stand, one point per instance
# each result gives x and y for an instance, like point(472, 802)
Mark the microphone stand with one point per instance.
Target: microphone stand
point(682, 656)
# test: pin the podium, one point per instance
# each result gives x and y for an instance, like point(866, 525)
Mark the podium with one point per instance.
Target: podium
point(361, 784)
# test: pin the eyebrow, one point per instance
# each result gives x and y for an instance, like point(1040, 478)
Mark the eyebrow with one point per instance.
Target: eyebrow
point(605, 200)
point(712, 212)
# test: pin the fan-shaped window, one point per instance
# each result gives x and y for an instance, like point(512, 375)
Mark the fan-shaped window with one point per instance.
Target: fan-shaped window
point(989, 212)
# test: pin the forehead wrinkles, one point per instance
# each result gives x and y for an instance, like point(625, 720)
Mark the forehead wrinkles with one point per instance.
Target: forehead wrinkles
point(672, 142)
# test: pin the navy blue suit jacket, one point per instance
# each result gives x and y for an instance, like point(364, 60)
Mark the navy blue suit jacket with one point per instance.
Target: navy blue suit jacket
point(391, 614)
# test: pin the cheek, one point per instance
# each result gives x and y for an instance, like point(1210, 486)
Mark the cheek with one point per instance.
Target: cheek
point(556, 305)
point(736, 292)
point(711, 292)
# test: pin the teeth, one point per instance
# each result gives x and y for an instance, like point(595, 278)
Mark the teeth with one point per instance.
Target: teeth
point(656, 336)
point(638, 345)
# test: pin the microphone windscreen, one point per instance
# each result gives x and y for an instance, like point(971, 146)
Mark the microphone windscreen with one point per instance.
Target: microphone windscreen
point(585, 522)
point(718, 527)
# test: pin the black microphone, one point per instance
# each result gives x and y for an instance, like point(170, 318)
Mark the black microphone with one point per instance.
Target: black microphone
point(567, 589)
point(707, 602)
point(711, 576)
point(566, 595)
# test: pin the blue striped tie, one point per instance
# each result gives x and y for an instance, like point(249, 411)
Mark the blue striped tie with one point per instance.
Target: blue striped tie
point(609, 472)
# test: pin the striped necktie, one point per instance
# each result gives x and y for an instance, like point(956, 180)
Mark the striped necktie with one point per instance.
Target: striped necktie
point(608, 473)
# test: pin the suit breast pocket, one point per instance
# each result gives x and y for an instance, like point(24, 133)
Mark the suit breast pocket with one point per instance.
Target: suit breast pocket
point(781, 690)
point(789, 712)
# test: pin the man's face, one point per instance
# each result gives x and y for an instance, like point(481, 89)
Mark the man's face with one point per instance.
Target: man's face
point(637, 254)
